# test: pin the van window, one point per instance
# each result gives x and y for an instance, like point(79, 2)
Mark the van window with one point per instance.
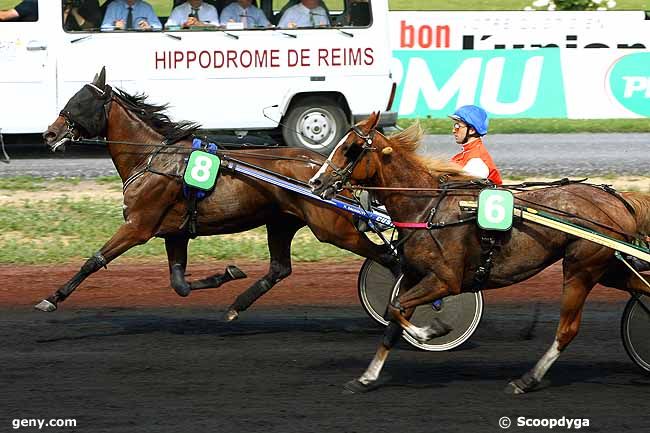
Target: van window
point(91, 15)
point(118, 16)
point(340, 13)
point(81, 15)
point(21, 11)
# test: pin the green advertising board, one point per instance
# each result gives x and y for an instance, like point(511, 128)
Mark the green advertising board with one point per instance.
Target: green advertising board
point(506, 83)
point(629, 81)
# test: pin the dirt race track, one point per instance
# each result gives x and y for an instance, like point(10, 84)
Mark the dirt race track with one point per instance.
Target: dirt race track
point(126, 354)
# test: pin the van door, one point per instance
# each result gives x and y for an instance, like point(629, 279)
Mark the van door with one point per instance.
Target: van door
point(27, 74)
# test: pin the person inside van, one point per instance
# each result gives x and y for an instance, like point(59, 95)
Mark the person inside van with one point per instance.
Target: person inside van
point(130, 15)
point(193, 13)
point(27, 10)
point(81, 15)
point(243, 11)
point(307, 13)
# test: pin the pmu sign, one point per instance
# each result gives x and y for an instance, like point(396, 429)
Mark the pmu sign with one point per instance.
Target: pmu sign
point(507, 83)
point(629, 82)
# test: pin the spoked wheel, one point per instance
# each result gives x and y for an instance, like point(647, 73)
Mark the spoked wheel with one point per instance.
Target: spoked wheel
point(462, 312)
point(635, 330)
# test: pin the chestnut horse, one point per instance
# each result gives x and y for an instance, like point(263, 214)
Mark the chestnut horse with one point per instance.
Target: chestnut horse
point(443, 261)
point(154, 205)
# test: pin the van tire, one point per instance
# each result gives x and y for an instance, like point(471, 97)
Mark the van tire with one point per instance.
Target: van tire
point(318, 119)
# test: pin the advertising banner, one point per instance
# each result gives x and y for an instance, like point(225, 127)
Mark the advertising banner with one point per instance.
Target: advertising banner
point(577, 65)
point(506, 83)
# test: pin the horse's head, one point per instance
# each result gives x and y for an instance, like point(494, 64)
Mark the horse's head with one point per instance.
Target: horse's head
point(356, 158)
point(84, 116)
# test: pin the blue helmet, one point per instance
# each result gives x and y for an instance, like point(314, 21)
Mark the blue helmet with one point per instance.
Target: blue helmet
point(474, 116)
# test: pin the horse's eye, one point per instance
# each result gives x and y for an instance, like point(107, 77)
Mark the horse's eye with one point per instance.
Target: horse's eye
point(352, 152)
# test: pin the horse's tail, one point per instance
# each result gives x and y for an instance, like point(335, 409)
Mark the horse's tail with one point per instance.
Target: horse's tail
point(640, 202)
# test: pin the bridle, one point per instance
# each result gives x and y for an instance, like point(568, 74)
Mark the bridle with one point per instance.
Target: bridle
point(73, 126)
point(342, 175)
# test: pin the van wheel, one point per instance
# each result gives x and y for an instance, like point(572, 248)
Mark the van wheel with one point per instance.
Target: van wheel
point(316, 124)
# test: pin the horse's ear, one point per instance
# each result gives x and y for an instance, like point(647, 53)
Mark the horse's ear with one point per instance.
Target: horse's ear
point(100, 80)
point(375, 119)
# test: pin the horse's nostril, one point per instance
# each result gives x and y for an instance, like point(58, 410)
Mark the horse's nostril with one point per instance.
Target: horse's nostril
point(49, 135)
point(315, 182)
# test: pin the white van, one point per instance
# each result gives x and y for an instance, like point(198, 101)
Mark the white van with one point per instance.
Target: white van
point(305, 84)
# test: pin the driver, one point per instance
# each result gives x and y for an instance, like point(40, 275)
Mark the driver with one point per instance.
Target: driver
point(470, 124)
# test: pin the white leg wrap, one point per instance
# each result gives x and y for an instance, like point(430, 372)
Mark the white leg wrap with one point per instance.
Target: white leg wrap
point(542, 366)
point(372, 372)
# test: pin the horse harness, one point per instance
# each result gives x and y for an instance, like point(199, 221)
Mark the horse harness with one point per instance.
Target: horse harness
point(343, 174)
point(490, 240)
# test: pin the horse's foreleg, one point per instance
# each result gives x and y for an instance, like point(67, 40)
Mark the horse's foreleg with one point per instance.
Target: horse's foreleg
point(126, 237)
point(279, 236)
point(369, 380)
point(428, 290)
point(573, 299)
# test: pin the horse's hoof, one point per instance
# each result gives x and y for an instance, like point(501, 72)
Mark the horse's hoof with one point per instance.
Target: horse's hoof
point(357, 387)
point(182, 290)
point(235, 273)
point(526, 383)
point(513, 389)
point(521, 386)
point(46, 306)
point(230, 315)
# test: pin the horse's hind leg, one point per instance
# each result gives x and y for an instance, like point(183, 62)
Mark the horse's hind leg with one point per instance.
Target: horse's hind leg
point(576, 289)
point(231, 273)
point(280, 233)
point(176, 248)
point(177, 257)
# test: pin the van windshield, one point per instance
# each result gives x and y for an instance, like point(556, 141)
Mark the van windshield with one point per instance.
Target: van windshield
point(124, 16)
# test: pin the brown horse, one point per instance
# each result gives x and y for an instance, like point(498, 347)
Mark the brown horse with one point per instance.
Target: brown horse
point(154, 204)
point(444, 261)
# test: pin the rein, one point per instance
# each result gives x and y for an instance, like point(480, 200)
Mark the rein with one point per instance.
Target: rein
point(522, 187)
point(182, 150)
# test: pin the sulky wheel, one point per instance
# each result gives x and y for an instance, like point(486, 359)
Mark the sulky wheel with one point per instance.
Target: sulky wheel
point(463, 312)
point(635, 330)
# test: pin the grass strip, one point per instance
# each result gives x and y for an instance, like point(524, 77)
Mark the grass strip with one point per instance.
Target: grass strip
point(64, 230)
point(540, 126)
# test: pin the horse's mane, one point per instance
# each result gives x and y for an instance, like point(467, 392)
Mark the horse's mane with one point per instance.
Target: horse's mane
point(410, 139)
point(153, 115)
point(641, 204)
